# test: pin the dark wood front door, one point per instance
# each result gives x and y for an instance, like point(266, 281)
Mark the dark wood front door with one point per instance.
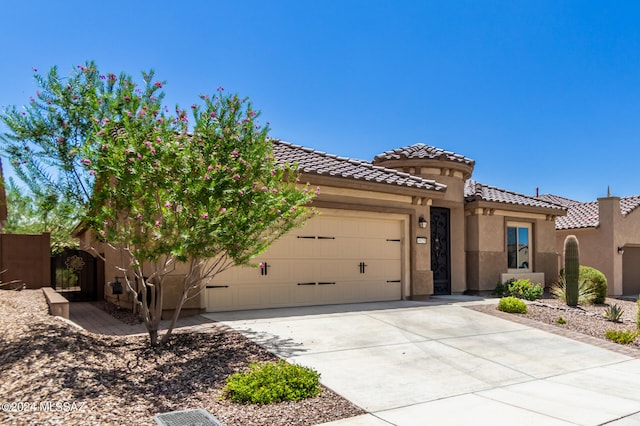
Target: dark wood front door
point(440, 251)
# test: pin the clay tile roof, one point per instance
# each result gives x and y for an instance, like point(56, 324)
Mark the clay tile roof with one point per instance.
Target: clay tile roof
point(422, 151)
point(475, 191)
point(311, 161)
point(556, 199)
point(587, 215)
point(629, 204)
point(580, 215)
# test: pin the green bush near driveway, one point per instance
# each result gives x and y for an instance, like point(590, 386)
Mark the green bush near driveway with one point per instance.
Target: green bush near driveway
point(267, 383)
point(512, 305)
point(623, 337)
point(522, 289)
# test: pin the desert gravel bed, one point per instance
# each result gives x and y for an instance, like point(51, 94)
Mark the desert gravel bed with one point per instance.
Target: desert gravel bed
point(586, 320)
point(121, 381)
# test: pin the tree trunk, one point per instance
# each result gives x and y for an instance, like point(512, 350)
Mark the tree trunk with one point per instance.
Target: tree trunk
point(174, 318)
point(153, 336)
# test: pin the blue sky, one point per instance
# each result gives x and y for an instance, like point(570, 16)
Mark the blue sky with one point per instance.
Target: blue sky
point(540, 93)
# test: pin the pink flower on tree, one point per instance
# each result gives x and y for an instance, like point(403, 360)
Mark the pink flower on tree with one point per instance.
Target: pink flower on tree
point(158, 84)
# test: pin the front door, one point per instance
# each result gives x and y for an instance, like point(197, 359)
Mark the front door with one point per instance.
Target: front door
point(440, 251)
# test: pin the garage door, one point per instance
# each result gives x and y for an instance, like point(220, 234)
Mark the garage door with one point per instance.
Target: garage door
point(334, 258)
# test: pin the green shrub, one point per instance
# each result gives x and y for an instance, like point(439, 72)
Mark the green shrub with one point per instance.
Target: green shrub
point(512, 305)
point(525, 289)
point(613, 313)
point(597, 281)
point(623, 337)
point(638, 314)
point(561, 320)
point(266, 383)
point(586, 291)
point(522, 289)
point(501, 289)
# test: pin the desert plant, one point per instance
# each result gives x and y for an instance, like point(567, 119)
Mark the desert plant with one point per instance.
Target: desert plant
point(561, 320)
point(501, 289)
point(525, 289)
point(623, 337)
point(266, 383)
point(512, 305)
point(613, 313)
point(638, 314)
point(571, 269)
point(597, 280)
point(586, 291)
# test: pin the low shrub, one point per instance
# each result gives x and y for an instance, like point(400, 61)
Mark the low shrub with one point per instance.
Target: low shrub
point(623, 337)
point(586, 291)
point(613, 313)
point(266, 383)
point(638, 314)
point(525, 289)
point(561, 320)
point(522, 289)
point(597, 281)
point(512, 305)
point(501, 289)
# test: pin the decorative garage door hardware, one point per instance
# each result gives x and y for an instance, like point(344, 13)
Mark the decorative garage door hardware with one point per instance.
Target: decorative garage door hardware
point(397, 241)
point(393, 281)
point(217, 286)
point(264, 269)
point(362, 266)
point(313, 237)
point(319, 283)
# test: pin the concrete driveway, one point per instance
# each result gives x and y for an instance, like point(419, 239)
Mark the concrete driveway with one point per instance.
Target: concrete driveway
point(415, 363)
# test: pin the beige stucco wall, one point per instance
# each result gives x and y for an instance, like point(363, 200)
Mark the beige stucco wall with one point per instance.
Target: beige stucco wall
point(335, 195)
point(115, 259)
point(599, 245)
point(487, 251)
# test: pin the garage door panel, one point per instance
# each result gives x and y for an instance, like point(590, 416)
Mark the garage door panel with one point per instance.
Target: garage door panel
point(220, 299)
point(326, 254)
point(304, 294)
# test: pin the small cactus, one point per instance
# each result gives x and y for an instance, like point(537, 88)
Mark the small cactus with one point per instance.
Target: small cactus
point(613, 313)
point(571, 269)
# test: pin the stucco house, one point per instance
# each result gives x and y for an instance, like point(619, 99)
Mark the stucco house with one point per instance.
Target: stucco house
point(407, 225)
point(608, 231)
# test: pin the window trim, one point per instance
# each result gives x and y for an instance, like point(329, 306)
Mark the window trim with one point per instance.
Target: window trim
point(519, 224)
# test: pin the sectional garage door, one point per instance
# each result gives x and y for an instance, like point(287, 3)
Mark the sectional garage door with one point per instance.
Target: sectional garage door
point(334, 258)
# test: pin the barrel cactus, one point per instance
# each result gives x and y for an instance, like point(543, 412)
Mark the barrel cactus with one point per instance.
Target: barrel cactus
point(571, 269)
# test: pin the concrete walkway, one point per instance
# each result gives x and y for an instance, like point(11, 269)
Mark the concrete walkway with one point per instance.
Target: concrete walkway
point(416, 363)
point(95, 320)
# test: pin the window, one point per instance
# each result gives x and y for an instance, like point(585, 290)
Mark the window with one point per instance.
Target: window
point(518, 247)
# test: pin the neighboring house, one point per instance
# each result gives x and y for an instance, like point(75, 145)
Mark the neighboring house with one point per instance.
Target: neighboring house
point(408, 225)
point(608, 231)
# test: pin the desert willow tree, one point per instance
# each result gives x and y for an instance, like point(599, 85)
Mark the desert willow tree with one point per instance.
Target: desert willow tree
point(187, 195)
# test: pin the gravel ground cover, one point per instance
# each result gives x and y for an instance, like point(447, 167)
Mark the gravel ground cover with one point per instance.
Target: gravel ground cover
point(587, 320)
point(52, 373)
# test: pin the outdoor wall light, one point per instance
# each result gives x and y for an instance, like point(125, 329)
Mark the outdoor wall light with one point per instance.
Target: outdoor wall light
point(422, 222)
point(620, 250)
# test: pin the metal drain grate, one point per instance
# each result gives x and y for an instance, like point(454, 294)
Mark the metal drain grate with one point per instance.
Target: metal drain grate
point(197, 417)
